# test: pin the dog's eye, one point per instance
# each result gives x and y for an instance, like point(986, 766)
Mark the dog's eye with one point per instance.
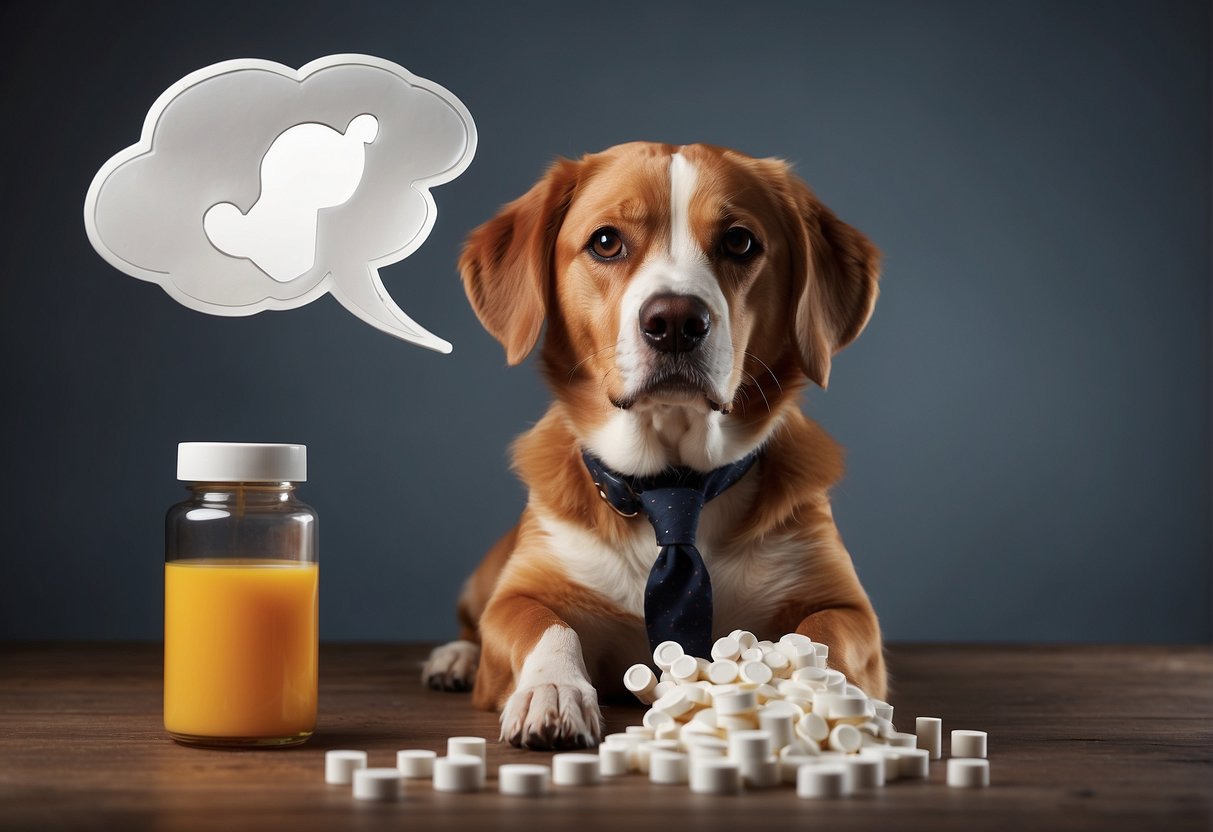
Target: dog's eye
point(606, 244)
point(738, 243)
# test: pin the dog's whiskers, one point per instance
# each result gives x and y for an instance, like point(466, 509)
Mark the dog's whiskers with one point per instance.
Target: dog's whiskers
point(573, 369)
point(759, 387)
point(770, 372)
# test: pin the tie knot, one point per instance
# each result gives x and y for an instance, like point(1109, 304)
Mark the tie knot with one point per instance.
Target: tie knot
point(674, 513)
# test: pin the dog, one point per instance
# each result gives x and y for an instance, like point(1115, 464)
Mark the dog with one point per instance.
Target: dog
point(689, 294)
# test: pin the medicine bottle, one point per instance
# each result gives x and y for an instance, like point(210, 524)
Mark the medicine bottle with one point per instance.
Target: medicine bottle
point(241, 590)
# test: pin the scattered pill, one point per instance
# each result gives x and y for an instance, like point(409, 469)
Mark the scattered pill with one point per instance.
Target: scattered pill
point(898, 739)
point(914, 763)
point(666, 653)
point(614, 760)
point(471, 746)
point(779, 663)
point(969, 744)
point(377, 784)
point(524, 779)
point(758, 773)
point(756, 671)
point(416, 763)
point(744, 638)
point(733, 704)
point(655, 718)
point(968, 773)
point(685, 669)
point(739, 722)
point(340, 765)
point(883, 710)
point(843, 706)
point(715, 775)
point(790, 763)
point(630, 739)
point(576, 769)
point(668, 767)
point(889, 759)
point(672, 731)
point(460, 773)
point(819, 781)
point(750, 745)
point(723, 672)
point(813, 726)
point(707, 746)
point(844, 738)
point(778, 724)
point(640, 680)
point(725, 648)
point(866, 772)
point(675, 703)
point(929, 730)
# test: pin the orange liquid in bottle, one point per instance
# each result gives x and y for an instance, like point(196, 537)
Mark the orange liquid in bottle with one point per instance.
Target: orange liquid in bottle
point(240, 650)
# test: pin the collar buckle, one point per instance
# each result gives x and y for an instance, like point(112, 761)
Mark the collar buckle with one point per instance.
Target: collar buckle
point(606, 498)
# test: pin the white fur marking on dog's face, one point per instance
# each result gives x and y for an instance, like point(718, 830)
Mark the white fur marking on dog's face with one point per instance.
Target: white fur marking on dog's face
point(656, 432)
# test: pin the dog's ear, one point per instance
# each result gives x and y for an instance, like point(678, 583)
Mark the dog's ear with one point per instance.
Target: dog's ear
point(835, 281)
point(507, 263)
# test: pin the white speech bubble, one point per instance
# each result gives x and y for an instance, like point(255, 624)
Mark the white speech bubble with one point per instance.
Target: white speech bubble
point(255, 186)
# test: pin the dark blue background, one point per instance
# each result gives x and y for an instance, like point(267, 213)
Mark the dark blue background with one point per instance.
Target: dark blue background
point(1027, 416)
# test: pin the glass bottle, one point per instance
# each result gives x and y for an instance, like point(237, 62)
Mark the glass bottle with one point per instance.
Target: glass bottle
point(241, 590)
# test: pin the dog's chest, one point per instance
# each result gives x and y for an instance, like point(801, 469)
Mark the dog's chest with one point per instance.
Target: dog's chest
point(749, 580)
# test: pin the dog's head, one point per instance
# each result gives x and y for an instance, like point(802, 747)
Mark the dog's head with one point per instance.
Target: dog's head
point(692, 277)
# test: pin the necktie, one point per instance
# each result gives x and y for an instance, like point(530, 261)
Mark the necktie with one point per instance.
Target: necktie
point(678, 593)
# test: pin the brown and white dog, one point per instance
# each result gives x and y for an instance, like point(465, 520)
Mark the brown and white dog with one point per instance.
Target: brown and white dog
point(688, 293)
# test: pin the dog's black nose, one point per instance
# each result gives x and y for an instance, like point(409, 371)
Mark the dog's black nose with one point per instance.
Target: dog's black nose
point(674, 323)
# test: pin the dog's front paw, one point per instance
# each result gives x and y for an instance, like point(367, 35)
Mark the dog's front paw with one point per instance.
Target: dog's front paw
point(552, 716)
point(451, 666)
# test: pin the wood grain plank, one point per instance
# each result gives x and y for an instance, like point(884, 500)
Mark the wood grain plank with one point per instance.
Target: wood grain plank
point(1091, 737)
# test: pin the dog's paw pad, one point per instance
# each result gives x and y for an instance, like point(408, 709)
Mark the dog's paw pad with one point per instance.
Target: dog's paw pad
point(552, 716)
point(451, 666)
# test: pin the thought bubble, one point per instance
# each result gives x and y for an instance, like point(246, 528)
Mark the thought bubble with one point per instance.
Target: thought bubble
point(255, 186)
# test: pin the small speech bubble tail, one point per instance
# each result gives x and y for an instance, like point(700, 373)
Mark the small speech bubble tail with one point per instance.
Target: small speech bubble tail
point(367, 298)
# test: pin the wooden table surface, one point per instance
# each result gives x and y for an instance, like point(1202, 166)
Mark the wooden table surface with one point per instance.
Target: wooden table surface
point(1107, 738)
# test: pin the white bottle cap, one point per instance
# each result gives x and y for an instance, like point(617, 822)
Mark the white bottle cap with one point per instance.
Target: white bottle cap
point(241, 462)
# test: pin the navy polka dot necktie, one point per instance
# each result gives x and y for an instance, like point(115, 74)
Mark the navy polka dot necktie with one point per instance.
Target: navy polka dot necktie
point(678, 594)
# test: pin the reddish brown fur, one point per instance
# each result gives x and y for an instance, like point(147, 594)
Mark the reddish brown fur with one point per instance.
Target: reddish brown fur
point(810, 295)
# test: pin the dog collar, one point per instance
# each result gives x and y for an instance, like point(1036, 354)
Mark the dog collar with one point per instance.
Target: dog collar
point(678, 593)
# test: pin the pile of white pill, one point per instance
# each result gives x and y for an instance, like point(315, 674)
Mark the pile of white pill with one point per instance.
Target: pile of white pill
point(756, 715)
